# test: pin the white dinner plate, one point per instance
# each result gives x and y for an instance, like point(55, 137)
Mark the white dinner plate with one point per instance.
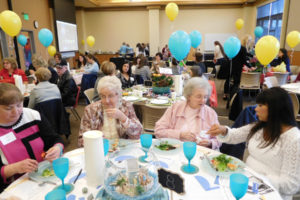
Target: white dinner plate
point(240, 169)
point(171, 141)
point(130, 98)
point(37, 176)
point(159, 101)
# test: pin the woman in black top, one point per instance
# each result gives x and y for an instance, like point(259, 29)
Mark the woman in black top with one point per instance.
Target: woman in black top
point(126, 77)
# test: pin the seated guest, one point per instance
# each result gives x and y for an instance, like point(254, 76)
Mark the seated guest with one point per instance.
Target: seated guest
point(125, 76)
point(135, 63)
point(195, 71)
point(81, 62)
point(57, 58)
point(10, 68)
point(54, 75)
point(199, 59)
point(44, 90)
point(176, 69)
point(91, 66)
point(112, 115)
point(66, 84)
point(30, 135)
point(143, 69)
point(282, 57)
point(273, 141)
point(184, 120)
point(157, 63)
point(107, 69)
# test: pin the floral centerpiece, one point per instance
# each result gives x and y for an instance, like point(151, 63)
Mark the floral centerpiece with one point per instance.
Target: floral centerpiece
point(161, 83)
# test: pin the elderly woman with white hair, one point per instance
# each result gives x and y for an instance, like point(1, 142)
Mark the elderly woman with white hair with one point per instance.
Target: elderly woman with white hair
point(111, 115)
point(186, 120)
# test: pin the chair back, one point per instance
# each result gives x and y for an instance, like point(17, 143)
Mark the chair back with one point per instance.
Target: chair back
point(77, 96)
point(250, 80)
point(151, 114)
point(295, 102)
point(139, 79)
point(89, 94)
point(271, 81)
point(56, 114)
point(88, 81)
point(281, 77)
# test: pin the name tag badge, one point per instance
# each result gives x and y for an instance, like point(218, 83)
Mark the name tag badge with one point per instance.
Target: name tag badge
point(8, 138)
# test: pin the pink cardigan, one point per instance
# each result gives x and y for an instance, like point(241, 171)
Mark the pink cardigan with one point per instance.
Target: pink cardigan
point(169, 125)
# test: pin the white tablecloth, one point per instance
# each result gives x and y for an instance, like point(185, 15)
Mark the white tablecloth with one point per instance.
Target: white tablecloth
point(292, 87)
point(27, 189)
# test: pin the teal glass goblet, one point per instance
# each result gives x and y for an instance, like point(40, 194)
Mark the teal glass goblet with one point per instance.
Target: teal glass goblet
point(57, 194)
point(189, 150)
point(61, 169)
point(105, 146)
point(238, 185)
point(146, 142)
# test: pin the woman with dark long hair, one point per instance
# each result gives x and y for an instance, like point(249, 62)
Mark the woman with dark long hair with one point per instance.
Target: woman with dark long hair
point(282, 57)
point(273, 141)
point(81, 62)
point(126, 77)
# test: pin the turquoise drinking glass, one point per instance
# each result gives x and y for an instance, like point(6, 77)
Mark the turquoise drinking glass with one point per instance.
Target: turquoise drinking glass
point(238, 185)
point(146, 142)
point(57, 194)
point(61, 169)
point(105, 146)
point(189, 150)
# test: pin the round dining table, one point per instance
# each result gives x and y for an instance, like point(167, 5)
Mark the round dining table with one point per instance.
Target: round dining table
point(205, 184)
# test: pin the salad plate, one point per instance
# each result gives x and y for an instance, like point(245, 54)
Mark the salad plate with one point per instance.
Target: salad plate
point(224, 165)
point(130, 98)
point(159, 101)
point(167, 146)
point(44, 172)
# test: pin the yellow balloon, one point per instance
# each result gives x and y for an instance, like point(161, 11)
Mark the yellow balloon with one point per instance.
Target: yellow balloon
point(239, 23)
point(51, 50)
point(82, 42)
point(293, 38)
point(266, 49)
point(90, 40)
point(10, 22)
point(172, 11)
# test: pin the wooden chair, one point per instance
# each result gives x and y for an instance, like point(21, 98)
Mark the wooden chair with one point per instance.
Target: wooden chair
point(281, 77)
point(151, 114)
point(89, 94)
point(271, 81)
point(295, 102)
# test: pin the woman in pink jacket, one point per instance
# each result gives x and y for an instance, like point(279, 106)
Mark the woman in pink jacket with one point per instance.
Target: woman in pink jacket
point(186, 120)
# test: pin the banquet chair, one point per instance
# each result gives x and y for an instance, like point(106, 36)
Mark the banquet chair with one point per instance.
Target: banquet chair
point(89, 94)
point(250, 81)
point(271, 81)
point(73, 108)
point(281, 77)
point(295, 102)
point(150, 115)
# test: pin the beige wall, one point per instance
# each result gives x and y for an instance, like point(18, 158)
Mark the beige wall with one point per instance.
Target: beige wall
point(293, 20)
point(38, 10)
point(111, 28)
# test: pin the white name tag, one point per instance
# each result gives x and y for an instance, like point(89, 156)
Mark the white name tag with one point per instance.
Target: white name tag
point(8, 138)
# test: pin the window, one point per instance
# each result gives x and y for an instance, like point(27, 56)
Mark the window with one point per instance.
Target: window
point(269, 17)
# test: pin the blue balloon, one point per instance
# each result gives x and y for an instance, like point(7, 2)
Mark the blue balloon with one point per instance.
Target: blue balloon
point(232, 47)
point(45, 37)
point(180, 44)
point(258, 31)
point(22, 39)
point(196, 38)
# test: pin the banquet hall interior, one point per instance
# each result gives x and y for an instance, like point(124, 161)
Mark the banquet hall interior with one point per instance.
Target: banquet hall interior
point(108, 34)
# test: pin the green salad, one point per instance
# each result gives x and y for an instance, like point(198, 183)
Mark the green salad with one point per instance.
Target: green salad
point(47, 173)
point(223, 163)
point(165, 146)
